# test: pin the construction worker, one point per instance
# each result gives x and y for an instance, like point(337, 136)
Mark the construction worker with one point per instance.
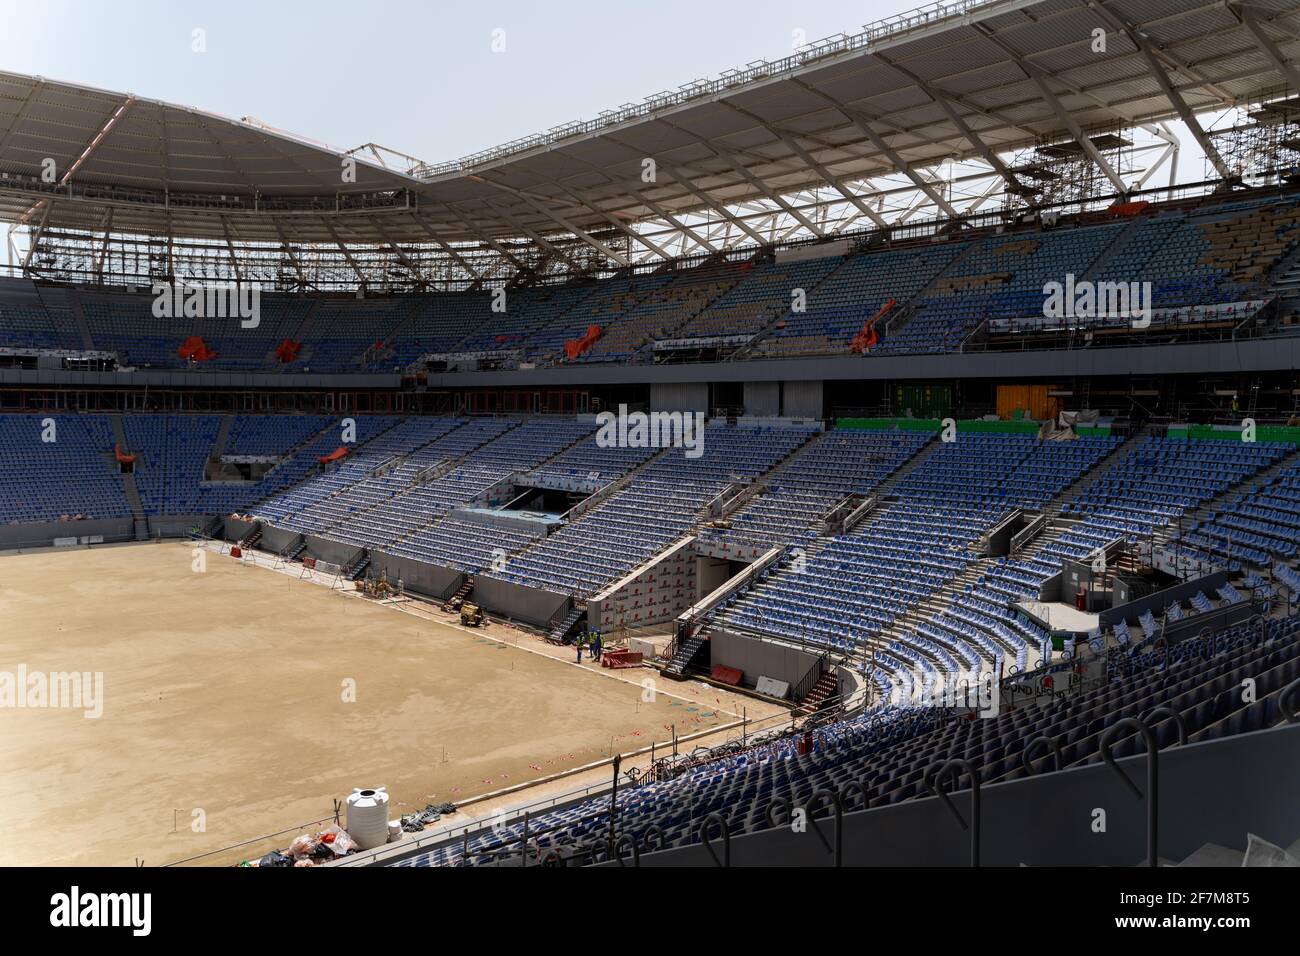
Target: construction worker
point(578, 644)
point(595, 646)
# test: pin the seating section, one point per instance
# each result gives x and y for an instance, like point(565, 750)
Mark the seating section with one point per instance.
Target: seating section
point(662, 502)
point(518, 448)
point(528, 312)
point(77, 475)
point(662, 312)
point(764, 293)
point(125, 324)
point(1210, 264)
point(73, 476)
point(1001, 277)
point(1162, 478)
point(25, 323)
point(852, 587)
point(397, 488)
point(1256, 528)
point(271, 434)
point(253, 349)
point(172, 451)
point(892, 748)
point(1208, 256)
point(833, 466)
point(839, 306)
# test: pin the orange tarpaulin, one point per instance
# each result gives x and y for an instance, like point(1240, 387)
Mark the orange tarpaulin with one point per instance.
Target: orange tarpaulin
point(336, 455)
point(196, 350)
point(867, 337)
point(575, 347)
point(287, 350)
point(1127, 208)
point(122, 456)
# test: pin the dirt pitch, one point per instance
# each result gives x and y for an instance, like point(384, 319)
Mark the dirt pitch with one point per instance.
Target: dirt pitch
point(224, 692)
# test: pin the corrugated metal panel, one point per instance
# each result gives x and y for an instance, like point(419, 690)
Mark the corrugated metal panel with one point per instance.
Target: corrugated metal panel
point(803, 399)
point(763, 398)
point(679, 397)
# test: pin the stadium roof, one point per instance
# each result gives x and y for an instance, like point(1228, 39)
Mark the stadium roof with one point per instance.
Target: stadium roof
point(959, 81)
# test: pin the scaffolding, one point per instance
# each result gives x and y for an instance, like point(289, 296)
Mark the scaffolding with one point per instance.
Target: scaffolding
point(1261, 147)
point(1063, 174)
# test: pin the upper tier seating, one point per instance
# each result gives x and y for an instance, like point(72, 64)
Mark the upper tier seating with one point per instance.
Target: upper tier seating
point(839, 306)
point(1209, 265)
point(1001, 276)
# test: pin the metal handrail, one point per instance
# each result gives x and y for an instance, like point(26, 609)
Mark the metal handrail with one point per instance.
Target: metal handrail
point(1153, 777)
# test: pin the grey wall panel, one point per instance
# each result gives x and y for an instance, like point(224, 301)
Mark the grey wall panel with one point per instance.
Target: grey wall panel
point(680, 397)
point(39, 534)
point(802, 399)
point(174, 526)
point(276, 540)
point(763, 399)
point(236, 528)
point(1256, 355)
point(758, 658)
point(176, 379)
point(531, 605)
point(1210, 792)
point(710, 574)
point(1282, 353)
point(333, 551)
point(420, 576)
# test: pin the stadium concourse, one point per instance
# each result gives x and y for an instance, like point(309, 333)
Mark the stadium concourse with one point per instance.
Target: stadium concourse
point(893, 419)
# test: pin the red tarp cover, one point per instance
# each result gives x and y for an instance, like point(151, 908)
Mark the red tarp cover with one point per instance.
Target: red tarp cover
point(336, 455)
point(287, 350)
point(195, 349)
point(575, 347)
point(726, 675)
point(122, 456)
point(1127, 208)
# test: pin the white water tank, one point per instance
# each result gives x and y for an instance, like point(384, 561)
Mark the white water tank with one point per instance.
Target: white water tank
point(368, 817)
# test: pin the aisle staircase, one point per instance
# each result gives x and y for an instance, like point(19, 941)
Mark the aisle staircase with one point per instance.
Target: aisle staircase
point(823, 693)
point(566, 625)
point(454, 603)
point(253, 537)
point(356, 565)
point(687, 655)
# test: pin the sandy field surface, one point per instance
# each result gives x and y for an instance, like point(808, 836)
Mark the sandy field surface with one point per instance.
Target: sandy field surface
point(237, 702)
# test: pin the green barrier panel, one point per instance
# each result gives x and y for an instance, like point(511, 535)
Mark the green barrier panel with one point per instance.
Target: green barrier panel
point(1263, 433)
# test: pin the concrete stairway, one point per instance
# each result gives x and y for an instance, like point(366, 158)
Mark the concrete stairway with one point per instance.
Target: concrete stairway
point(79, 317)
point(223, 436)
point(129, 488)
point(823, 693)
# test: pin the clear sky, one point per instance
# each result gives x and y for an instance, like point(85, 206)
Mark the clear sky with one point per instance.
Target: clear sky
point(419, 77)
